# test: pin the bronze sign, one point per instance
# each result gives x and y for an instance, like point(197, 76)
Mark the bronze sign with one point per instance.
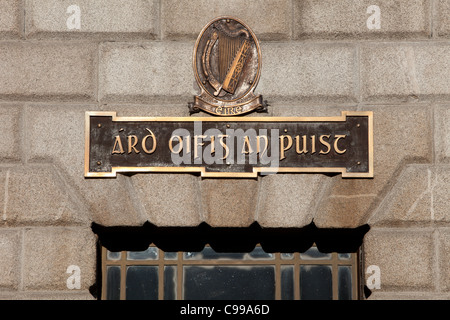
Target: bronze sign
point(227, 66)
point(230, 146)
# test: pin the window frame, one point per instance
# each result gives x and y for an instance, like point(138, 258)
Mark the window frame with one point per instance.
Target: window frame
point(277, 262)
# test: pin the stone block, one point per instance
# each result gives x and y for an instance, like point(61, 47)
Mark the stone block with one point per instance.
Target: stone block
point(440, 187)
point(269, 20)
point(288, 200)
point(408, 296)
point(229, 202)
point(410, 200)
point(169, 199)
point(51, 295)
point(149, 110)
point(343, 211)
point(279, 109)
point(50, 71)
point(100, 200)
point(442, 18)
point(148, 71)
point(10, 122)
point(10, 248)
point(406, 72)
point(112, 19)
point(57, 132)
point(420, 195)
point(444, 259)
point(48, 252)
point(442, 133)
point(4, 180)
point(303, 72)
point(406, 258)
point(37, 196)
point(11, 17)
point(349, 19)
point(402, 135)
point(110, 202)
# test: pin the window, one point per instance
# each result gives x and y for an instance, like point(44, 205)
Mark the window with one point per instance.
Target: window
point(210, 275)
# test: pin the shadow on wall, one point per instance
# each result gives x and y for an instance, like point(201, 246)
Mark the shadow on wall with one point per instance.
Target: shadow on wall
point(223, 239)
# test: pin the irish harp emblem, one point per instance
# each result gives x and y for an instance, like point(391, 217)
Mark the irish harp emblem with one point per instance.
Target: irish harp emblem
point(227, 65)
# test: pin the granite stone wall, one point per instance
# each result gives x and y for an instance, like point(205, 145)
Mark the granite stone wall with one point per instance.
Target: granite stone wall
point(61, 58)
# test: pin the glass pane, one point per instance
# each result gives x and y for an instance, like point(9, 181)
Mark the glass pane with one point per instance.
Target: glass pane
point(142, 283)
point(209, 253)
point(315, 282)
point(170, 283)
point(287, 256)
point(170, 255)
point(345, 282)
point(113, 283)
point(111, 255)
point(259, 253)
point(287, 282)
point(344, 256)
point(229, 282)
point(314, 253)
point(150, 254)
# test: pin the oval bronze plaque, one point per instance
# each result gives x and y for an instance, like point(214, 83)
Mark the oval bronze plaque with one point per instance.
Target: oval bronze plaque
point(227, 67)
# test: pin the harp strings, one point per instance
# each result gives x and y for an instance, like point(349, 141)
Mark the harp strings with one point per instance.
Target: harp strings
point(228, 47)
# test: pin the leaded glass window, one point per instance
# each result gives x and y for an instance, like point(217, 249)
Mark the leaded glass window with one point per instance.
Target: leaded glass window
point(209, 275)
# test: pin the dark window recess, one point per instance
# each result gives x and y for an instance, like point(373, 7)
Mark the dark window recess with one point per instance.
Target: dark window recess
point(229, 282)
point(207, 263)
point(316, 282)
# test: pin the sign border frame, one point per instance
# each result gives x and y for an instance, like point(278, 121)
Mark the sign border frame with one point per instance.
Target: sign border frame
point(256, 170)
